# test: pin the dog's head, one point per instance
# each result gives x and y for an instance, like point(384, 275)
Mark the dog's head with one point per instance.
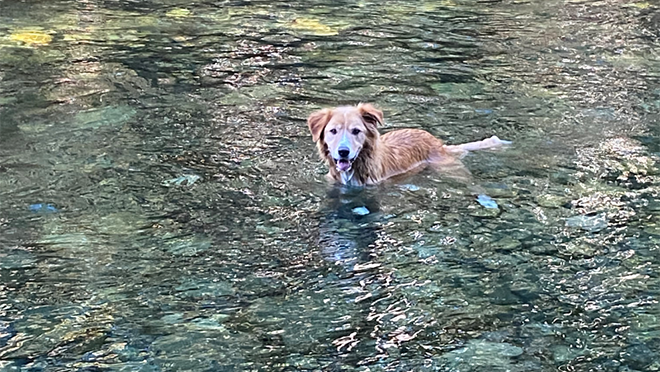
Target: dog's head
point(343, 132)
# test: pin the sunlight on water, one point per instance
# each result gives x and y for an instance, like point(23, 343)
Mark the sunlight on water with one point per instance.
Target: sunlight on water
point(162, 206)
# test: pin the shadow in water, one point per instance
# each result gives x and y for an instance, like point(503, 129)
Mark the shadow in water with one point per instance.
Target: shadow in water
point(349, 225)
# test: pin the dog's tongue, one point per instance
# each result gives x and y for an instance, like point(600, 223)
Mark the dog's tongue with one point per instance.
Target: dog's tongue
point(343, 165)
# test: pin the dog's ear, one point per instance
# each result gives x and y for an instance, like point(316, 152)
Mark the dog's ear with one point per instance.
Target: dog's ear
point(317, 121)
point(370, 114)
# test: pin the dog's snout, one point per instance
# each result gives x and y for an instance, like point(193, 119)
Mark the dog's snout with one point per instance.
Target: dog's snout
point(343, 152)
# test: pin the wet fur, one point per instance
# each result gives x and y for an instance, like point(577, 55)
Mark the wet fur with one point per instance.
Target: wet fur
point(394, 153)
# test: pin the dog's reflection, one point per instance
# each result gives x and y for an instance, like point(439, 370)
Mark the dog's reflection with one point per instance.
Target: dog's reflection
point(349, 225)
point(351, 220)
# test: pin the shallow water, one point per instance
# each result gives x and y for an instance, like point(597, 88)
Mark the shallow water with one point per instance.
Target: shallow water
point(162, 207)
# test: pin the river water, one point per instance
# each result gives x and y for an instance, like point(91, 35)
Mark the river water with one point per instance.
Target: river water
point(163, 208)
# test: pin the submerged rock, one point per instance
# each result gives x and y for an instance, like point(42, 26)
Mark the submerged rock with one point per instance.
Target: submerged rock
point(16, 259)
point(300, 362)
point(577, 249)
point(205, 289)
point(187, 245)
point(40, 333)
point(478, 355)
point(214, 322)
point(70, 242)
point(31, 37)
point(497, 190)
point(214, 350)
point(485, 212)
point(111, 115)
point(178, 13)
point(120, 223)
point(563, 353)
point(590, 223)
point(507, 244)
point(551, 201)
point(638, 356)
point(312, 26)
point(185, 180)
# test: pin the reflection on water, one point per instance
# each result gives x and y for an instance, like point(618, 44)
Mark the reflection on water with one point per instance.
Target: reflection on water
point(162, 207)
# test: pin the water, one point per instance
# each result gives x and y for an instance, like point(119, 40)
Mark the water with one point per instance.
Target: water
point(162, 207)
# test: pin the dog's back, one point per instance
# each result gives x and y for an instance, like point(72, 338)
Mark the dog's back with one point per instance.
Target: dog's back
point(405, 149)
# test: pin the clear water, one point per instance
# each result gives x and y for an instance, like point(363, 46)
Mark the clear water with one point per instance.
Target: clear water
point(162, 207)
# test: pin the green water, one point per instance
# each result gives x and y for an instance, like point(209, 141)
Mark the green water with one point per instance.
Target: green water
point(162, 206)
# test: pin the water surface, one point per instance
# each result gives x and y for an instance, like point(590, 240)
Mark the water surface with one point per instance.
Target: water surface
point(162, 206)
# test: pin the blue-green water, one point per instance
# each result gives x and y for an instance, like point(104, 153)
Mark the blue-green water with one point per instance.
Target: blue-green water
point(162, 206)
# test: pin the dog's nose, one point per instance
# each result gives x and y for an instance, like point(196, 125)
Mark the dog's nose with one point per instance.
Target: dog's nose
point(343, 152)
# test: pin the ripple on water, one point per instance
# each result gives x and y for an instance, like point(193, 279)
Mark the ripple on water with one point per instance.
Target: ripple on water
point(258, 264)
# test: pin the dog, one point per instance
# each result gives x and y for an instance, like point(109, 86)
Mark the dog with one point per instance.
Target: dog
point(348, 141)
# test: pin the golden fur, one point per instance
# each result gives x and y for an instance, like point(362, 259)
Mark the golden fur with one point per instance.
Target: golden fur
point(369, 158)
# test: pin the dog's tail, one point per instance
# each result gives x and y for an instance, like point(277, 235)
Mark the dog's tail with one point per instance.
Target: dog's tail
point(491, 143)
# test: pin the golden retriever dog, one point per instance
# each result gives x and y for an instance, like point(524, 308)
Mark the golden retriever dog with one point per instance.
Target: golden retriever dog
point(348, 141)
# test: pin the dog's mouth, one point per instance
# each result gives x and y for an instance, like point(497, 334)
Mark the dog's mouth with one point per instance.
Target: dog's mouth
point(344, 164)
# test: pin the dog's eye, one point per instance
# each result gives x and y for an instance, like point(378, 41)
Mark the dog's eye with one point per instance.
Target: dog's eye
point(355, 131)
point(333, 131)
